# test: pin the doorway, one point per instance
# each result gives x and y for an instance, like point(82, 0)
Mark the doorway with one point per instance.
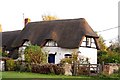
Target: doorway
point(51, 58)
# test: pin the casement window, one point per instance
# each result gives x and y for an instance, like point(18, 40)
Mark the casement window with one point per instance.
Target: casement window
point(88, 42)
point(51, 43)
point(68, 56)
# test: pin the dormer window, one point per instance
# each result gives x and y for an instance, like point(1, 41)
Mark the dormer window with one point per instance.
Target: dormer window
point(51, 43)
point(88, 42)
point(26, 42)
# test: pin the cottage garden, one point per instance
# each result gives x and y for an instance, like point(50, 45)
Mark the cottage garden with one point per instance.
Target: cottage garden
point(36, 62)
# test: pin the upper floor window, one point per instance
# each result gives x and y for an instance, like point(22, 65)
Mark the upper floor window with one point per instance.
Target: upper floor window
point(26, 43)
point(88, 42)
point(51, 43)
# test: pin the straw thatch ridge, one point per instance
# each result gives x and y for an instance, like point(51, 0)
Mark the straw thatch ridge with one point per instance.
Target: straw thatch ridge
point(67, 33)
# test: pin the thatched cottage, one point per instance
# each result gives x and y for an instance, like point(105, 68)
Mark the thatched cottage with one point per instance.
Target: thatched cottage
point(60, 38)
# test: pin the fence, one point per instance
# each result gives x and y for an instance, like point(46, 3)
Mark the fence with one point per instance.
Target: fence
point(86, 69)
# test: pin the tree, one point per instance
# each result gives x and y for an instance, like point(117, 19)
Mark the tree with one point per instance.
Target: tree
point(110, 54)
point(49, 17)
point(115, 47)
point(102, 45)
point(103, 49)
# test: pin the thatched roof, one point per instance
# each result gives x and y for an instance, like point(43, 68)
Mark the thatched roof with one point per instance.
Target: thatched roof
point(67, 33)
point(8, 37)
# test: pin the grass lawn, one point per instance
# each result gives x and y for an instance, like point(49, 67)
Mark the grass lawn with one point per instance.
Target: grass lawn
point(9, 75)
point(12, 74)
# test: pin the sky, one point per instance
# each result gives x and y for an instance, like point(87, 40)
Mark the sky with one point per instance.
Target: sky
point(100, 14)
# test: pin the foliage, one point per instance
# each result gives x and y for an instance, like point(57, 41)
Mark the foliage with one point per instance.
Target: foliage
point(10, 64)
point(66, 60)
point(0, 51)
point(70, 60)
point(74, 58)
point(102, 45)
point(115, 47)
point(110, 54)
point(83, 70)
point(34, 54)
point(48, 17)
point(47, 69)
point(108, 57)
point(22, 66)
point(4, 54)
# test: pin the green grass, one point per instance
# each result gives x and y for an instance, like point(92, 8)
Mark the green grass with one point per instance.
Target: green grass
point(11, 75)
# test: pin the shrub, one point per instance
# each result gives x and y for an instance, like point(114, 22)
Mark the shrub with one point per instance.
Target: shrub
point(108, 57)
point(10, 64)
point(66, 60)
point(70, 60)
point(34, 54)
point(22, 66)
point(82, 70)
point(17, 67)
point(58, 70)
point(47, 69)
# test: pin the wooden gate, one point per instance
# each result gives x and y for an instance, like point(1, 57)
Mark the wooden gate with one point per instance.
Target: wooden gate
point(86, 69)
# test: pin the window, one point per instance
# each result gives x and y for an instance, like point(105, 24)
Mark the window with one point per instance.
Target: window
point(68, 56)
point(88, 42)
point(26, 43)
point(51, 43)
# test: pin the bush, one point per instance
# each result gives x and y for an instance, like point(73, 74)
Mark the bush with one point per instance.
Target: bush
point(10, 65)
point(83, 70)
point(34, 54)
point(70, 60)
point(47, 69)
point(18, 64)
point(4, 54)
point(66, 60)
point(22, 66)
point(108, 57)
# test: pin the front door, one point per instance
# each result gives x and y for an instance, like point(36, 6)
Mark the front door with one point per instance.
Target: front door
point(51, 58)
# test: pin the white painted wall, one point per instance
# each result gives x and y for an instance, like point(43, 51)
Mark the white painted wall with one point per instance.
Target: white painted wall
point(86, 52)
point(60, 52)
point(91, 53)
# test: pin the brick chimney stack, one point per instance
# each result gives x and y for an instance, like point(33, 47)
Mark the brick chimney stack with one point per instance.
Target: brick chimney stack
point(26, 21)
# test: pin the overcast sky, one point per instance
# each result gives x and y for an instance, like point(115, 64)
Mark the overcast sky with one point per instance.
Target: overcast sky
point(100, 14)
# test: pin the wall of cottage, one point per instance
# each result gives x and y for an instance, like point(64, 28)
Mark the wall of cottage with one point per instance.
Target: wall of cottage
point(60, 52)
point(89, 53)
point(84, 52)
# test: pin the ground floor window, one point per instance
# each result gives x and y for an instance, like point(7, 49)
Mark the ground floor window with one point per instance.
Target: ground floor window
point(68, 56)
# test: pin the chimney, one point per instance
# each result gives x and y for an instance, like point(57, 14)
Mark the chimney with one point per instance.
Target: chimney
point(26, 21)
